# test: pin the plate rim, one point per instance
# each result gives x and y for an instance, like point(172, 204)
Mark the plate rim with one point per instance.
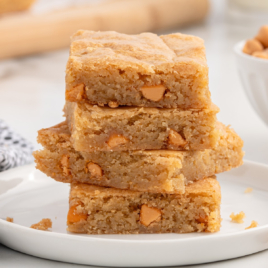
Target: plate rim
point(239, 237)
point(92, 237)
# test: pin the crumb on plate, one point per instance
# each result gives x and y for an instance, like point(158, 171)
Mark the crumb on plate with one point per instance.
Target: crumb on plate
point(252, 225)
point(9, 219)
point(238, 218)
point(43, 225)
point(248, 190)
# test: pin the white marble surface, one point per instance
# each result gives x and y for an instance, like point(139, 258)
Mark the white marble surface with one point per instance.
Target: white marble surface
point(32, 97)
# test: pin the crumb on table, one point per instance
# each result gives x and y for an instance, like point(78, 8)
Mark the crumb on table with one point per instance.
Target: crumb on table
point(248, 190)
point(9, 219)
point(238, 218)
point(252, 225)
point(43, 225)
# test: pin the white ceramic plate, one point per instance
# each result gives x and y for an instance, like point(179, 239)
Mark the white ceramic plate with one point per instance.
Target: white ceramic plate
point(28, 196)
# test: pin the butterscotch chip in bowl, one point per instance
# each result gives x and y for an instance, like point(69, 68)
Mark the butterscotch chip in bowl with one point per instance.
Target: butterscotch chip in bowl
point(251, 46)
point(262, 35)
point(261, 54)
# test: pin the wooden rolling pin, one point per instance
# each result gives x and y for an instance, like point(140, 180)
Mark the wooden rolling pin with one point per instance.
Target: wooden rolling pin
point(32, 33)
point(14, 5)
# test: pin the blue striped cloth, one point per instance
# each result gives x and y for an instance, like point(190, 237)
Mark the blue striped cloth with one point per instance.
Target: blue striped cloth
point(14, 149)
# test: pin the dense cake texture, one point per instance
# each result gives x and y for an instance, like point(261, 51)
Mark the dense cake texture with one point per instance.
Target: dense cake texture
point(99, 210)
point(163, 171)
point(95, 128)
point(109, 68)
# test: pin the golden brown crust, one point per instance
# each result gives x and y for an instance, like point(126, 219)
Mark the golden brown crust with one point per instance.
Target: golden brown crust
point(207, 186)
point(145, 51)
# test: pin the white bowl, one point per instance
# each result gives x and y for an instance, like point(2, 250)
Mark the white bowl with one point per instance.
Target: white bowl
point(253, 72)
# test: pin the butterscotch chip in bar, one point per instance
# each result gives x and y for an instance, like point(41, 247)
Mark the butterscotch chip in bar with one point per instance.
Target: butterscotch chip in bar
point(164, 171)
point(95, 128)
point(100, 210)
point(110, 68)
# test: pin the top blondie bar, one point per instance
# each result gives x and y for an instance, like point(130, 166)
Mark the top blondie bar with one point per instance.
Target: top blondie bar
point(114, 69)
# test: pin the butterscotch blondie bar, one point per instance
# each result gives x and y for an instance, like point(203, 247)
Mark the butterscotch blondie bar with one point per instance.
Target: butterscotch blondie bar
point(163, 171)
point(109, 68)
point(99, 210)
point(95, 128)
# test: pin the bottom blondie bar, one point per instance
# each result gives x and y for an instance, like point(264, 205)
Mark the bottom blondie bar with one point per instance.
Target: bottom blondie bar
point(100, 210)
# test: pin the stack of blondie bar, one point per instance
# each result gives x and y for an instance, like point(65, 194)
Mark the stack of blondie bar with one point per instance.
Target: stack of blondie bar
point(141, 143)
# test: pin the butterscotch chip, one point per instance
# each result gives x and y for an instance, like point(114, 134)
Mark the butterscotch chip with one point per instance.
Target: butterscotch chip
point(176, 139)
point(116, 211)
point(9, 219)
point(113, 104)
point(149, 215)
point(252, 225)
point(203, 219)
point(65, 165)
point(261, 54)
point(153, 93)
point(94, 169)
point(76, 93)
point(116, 140)
point(43, 225)
point(74, 215)
point(252, 46)
point(262, 35)
point(238, 218)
